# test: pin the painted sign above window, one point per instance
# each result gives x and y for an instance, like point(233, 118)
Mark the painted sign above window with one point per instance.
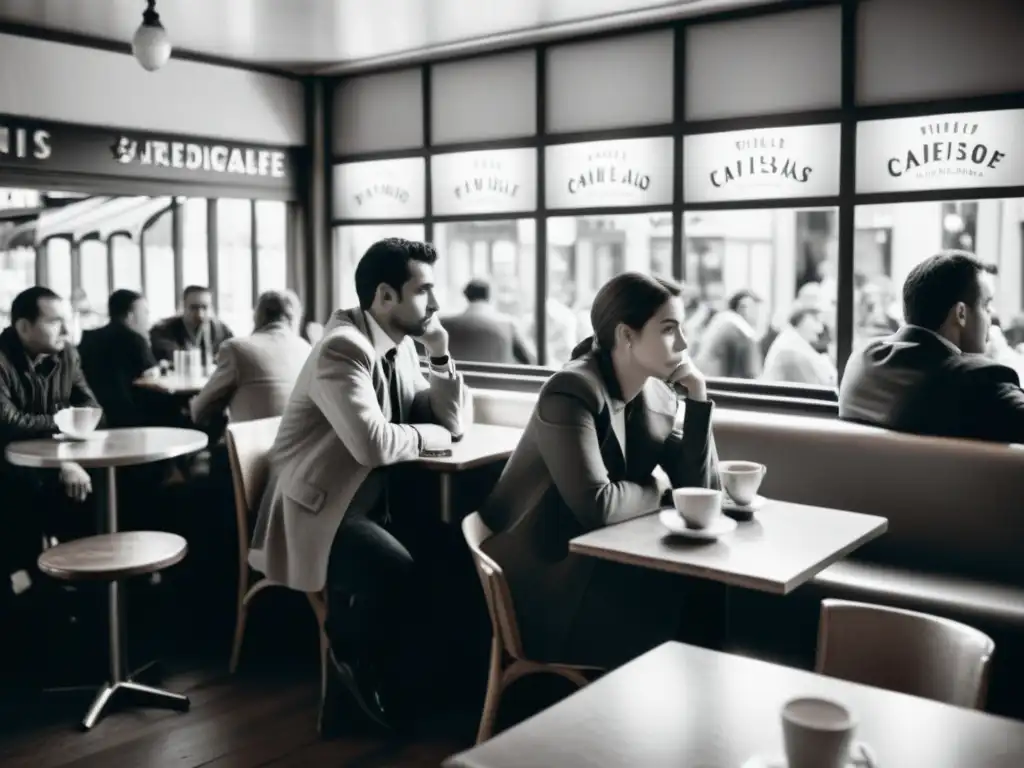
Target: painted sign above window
point(492, 181)
point(763, 164)
point(380, 189)
point(194, 156)
point(626, 173)
point(970, 149)
point(137, 156)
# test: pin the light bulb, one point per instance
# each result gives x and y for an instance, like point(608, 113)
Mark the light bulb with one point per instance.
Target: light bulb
point(151, 46)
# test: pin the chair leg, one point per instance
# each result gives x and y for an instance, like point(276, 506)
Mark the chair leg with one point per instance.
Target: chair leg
point(493, 697)
point(241, 613)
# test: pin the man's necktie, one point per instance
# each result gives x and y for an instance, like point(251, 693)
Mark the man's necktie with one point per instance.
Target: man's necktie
point(388, 364)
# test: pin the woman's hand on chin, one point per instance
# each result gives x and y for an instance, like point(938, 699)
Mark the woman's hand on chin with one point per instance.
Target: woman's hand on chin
point(687, 376)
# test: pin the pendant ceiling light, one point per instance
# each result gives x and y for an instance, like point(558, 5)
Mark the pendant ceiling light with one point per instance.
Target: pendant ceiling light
point(151, 45)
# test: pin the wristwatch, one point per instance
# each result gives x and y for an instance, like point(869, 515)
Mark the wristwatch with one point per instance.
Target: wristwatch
point(443, 366)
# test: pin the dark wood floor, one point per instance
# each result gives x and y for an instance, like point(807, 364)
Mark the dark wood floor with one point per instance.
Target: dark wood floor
point(260, 717)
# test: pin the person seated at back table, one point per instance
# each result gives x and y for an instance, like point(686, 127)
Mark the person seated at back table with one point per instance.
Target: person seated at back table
point(931, 376)
point(118, 354)
point(359, 406)
point(255, 374)
point(195, 328)
point(40, 374)
point(587, 460)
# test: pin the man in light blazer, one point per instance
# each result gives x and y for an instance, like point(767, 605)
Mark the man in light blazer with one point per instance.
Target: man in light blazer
point(360, 405)
point(255, 374)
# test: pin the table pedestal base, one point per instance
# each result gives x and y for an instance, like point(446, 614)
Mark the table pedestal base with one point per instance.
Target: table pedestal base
point(145, 696)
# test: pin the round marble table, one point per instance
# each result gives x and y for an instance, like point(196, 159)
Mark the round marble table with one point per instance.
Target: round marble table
point(109, 450)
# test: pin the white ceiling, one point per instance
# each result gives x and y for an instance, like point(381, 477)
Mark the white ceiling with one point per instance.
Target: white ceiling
point(326, 36)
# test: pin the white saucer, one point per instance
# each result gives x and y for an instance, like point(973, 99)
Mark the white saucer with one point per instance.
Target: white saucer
point(779, 761)
point(733, 506)
point(63, 437)
point(671, 520)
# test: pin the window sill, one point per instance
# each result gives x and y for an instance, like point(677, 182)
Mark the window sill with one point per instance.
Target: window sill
point(732, 393)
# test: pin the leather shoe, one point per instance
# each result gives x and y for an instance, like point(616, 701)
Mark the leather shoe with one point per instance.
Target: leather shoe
point(352, 702)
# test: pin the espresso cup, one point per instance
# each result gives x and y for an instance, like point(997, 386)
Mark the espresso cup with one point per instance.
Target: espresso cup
point(698, 507)
point(817, 733)
point(741, 479)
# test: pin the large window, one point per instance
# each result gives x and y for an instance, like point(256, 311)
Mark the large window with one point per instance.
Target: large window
point(234, 264)
point(891, 239)
point(584, 252)
point(158, 267)
point(500, 254)
point(271, 245)
point(92, 255)
point(58, 265)
point(350, 243)
point(17, 272)
point(195, 263)
point(759, 279)
point(90, 246)
point(127, 263)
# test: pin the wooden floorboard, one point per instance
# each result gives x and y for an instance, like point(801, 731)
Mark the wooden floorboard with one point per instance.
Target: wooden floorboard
point(257, 719)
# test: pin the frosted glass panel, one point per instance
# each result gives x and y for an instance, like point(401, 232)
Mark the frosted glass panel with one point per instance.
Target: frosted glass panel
point(616, 83)
point(379, 112)
point(484, 98)
point(915, 50)
point(781, 62)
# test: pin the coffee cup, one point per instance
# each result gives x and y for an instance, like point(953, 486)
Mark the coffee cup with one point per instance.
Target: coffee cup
point(698, 507)
point(741, 479)
point(817, 733)
point(77, 422)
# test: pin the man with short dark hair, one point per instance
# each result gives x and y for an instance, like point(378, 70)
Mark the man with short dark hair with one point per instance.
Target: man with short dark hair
point(359, 406)
point(195, 328)
point(40, 374)
point(116, 355)
point(931, 377)
point(482, 334)
point(255, 374)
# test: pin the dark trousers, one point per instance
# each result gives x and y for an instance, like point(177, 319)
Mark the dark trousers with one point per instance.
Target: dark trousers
point(373, 593)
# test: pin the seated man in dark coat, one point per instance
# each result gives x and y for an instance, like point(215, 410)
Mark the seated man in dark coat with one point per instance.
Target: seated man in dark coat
point(931, 377)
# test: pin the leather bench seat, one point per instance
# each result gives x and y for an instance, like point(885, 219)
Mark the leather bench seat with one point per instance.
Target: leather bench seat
point(963, 599)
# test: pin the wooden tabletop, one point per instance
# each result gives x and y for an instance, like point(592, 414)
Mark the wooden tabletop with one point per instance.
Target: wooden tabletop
point(785, 545)
point(174, 384)
point(680, 705)
point(481, 444)
point(110, 448)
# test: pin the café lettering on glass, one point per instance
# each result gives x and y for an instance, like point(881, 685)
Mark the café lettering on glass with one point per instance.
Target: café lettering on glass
point(765, 156)
point(194, 156)
point(19, 143)
point(487, 178)
point(608, 167)
point(381, 189)
point(947, 149)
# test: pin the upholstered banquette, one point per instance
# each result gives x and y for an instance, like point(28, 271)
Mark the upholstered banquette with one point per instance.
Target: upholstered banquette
point(955, 544)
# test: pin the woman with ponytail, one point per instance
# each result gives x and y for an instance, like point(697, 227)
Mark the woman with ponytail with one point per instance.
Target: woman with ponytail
point(588, 459)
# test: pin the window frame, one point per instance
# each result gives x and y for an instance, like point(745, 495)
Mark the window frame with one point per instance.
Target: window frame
point(754, 394)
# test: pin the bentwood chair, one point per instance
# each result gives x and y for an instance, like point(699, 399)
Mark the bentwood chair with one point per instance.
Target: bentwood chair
point(249, 444)
point(508, 660)
point(904, 651)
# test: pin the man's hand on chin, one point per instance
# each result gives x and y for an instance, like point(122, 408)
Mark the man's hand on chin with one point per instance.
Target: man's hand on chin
point(434, 338)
